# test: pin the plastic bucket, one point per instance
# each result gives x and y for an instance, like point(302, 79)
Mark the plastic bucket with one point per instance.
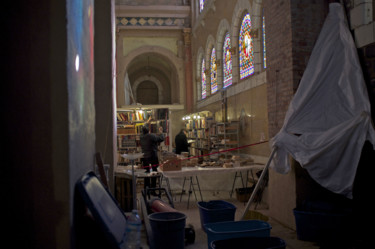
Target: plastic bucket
point(215, 211)
point(237, 229)
point(168, 230)
point(320, 226)
point(250, 243)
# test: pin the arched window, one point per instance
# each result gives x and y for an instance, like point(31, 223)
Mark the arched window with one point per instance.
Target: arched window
point(213, 72)
point(227, 61)
point(264, 42)
point(147, 93)
point(201, 5)
point(203, 76)
point(246, 48)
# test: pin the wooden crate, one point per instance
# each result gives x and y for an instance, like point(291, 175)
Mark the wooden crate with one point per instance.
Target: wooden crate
point(171, 165)
point(124, 193)
point(127, 129)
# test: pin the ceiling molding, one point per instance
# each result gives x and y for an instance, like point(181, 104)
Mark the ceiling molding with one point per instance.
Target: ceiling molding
point(152, 11)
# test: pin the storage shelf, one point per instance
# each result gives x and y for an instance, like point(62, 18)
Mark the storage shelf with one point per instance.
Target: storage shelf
point(198, 126)
point(130, 120)
point(225, 132)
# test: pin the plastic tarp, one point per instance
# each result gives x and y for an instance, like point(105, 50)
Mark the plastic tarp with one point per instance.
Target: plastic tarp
point(328, 119)
point(129, 98)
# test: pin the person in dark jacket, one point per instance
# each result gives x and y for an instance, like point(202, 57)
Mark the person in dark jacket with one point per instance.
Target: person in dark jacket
point(181, 142)
point(149, 145)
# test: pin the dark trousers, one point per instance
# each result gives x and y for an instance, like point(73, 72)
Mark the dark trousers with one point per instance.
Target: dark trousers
point(150, 182)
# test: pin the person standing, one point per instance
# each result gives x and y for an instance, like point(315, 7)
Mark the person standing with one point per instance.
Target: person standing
point(181, 142)
point(149, 145)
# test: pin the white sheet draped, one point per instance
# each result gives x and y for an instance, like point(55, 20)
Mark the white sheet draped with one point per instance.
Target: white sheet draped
point(328, 119)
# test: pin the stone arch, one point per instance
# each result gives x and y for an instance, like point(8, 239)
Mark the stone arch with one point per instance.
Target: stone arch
point(200, 55)
point(242, 7)
point(257, 14)
point(255, 11)
point(176, 63)
point(210, 43)
point(222, 29)
point(152, 79)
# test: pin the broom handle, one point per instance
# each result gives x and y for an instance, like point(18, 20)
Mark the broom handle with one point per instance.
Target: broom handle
point(258, 183)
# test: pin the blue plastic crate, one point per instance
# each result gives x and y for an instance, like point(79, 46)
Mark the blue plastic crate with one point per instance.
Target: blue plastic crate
point(320, 226)
point(216, 211)
point(236, 229)
point(250, 243)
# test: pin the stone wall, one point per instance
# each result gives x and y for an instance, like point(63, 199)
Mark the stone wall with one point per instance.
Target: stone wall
point(292, 29)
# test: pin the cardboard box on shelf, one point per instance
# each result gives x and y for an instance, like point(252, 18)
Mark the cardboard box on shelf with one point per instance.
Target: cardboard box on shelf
point(171, 165)
point(127, 129)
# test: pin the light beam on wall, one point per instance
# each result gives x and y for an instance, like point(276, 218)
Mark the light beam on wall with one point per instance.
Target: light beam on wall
point(77, 63)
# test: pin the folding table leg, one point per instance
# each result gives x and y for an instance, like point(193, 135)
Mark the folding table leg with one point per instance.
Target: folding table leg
point(168, 185)
point(183, 186)
point(190, 187)
point(192, 184)
point(200, 192)
point(238, 174)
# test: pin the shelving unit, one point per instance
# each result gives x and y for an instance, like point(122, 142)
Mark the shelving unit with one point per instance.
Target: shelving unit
point(198, 126)
point(226, 137)
point(130, 120)
point(208, 135)
point(128, 130)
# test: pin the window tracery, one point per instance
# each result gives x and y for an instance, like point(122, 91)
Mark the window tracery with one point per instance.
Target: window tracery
point(227, 62)
point(213, 72)
point(264, 42)
point(203, 79)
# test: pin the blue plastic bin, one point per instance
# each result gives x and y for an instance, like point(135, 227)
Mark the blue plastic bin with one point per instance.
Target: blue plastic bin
point(236, 229)
point(250, 243)
point(320, 226)
point(216, 211)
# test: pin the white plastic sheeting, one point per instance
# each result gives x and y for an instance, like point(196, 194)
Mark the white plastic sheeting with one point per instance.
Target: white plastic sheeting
point(129, 98)
point(328, 119)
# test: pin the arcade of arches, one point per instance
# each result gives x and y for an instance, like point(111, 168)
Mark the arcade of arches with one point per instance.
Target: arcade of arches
point(164, 54)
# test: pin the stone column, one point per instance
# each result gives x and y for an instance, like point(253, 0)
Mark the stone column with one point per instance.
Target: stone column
point(188, 70)
point(105, 68)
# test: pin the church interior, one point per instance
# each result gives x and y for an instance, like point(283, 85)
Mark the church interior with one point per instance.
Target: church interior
point(82, 77)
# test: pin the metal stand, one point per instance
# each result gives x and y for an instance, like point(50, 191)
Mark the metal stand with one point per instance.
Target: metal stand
point(132, 157)
point(238, 174)
point(191, 188)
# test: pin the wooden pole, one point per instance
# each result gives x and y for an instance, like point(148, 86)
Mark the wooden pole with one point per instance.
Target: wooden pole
point(258, 183)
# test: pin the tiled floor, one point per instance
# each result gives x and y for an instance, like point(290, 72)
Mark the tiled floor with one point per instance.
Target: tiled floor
point(193, 218)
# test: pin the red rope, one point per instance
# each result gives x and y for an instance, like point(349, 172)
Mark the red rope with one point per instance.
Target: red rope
point(217, 152)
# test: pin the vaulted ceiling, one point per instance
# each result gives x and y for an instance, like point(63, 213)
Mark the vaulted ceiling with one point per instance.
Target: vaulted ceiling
point(152, 23)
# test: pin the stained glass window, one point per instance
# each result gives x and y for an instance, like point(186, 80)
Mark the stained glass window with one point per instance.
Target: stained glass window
point(227, 61)
point(213, 72)
point(201, 5)
point(203, 76)
point(264, 43)
point(245, 46)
